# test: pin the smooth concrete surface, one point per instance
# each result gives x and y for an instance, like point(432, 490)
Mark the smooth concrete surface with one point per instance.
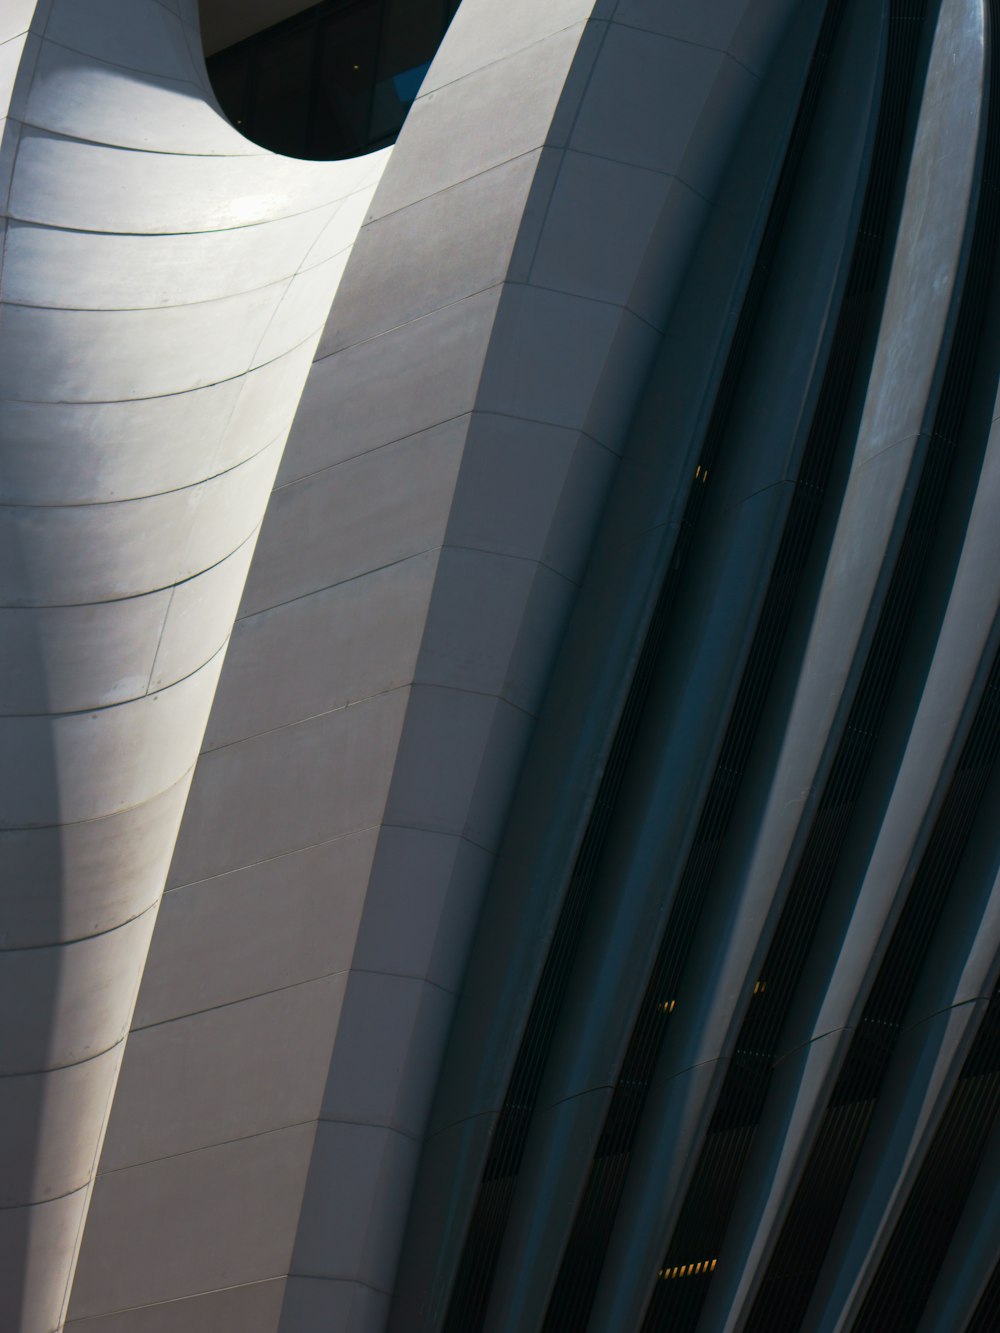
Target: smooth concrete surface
point(163, 287)
point(429, 526)
point(648, 501)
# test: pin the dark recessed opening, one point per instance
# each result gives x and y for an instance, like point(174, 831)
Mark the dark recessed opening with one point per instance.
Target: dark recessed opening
point(334, 80)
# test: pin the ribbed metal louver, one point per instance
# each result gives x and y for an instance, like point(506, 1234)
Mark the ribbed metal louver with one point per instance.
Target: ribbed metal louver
point(784, 906)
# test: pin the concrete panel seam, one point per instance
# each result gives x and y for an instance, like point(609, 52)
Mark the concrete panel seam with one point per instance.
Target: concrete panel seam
point(447, 189)
point(149, 75)
point(341, 583)
point(159, 397)
point(892, 444)
point(151, 495)
point(62, 137)
point(268, 860)
point(948, 1008)
point(448, 833)
point(402, 976)
point(312, 717)
point(76, 939)
point(406, 323)
point(376, 1126)
point(206, 1147)
point(763, 490)
point(40, 1203)
point(581, 24)
point(511, 555)
point(604, 27)
point(281, 281)
point(95, 819)
point(73, 1064)
point(95, 709)
point(146, 235)
point(133, 596)
point(472, 414)
point(588, 300)
point(241, 999)
point(281, 990)
point(812, 1041)
point(686, 41)
point(326, 1277)
point(36, 1203)
point(179, 1300)
point(392, 564)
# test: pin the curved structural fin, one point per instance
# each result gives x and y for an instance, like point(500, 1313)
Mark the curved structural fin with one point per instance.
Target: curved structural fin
point(567, 1194)
point(476, 1128)
point(967, 1291)
point(164, 286)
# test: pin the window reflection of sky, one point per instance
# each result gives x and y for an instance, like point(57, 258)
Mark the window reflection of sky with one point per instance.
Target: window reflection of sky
point(407, 84)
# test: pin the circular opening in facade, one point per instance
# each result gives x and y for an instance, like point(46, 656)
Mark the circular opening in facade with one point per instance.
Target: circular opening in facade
point(321, 81)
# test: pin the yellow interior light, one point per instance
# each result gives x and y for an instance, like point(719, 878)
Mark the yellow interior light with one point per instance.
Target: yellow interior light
point(688, 1270)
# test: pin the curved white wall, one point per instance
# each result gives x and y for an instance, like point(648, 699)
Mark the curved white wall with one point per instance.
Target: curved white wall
point(425, 540)
point(164, 283)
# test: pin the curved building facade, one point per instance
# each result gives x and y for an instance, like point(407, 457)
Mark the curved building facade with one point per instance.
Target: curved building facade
point(498, 667)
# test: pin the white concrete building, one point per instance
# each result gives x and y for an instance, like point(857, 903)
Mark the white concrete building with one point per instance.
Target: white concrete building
point(498, 681)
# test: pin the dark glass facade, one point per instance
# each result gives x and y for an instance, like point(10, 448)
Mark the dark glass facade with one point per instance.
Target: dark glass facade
point(723, 1166)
